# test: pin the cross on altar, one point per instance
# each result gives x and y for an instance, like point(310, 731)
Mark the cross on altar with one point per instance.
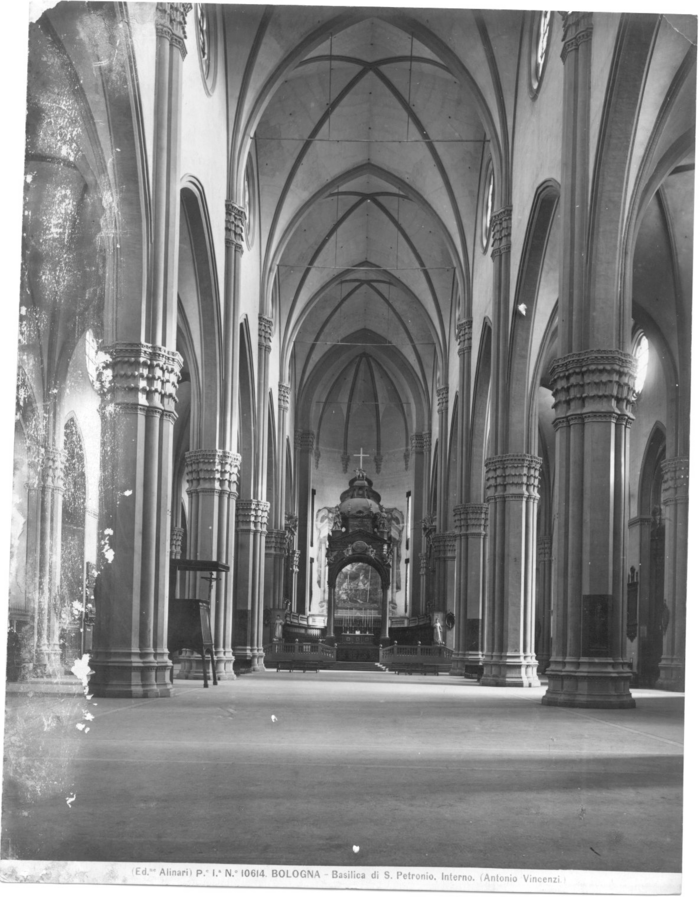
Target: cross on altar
point(361, 455)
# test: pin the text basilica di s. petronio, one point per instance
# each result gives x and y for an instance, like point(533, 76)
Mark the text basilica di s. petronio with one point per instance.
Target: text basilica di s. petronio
point(353, 383)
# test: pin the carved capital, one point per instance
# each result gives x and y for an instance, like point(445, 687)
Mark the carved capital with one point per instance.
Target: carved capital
point(51, 470)
point(251, 515)
point(674, 488)
point(423, 558)
point(304, 440)
point(212, 470)
point(471, 519)
point(597, 384)
point(444, 545)
point(378, 459)
point(276, 542)
point(513, 477)
point(235, 226)
point(464, 336)
point(139, 374)
point(544, 549)
point(283, 394)
point(427, 442)
point(176, 534)
point(501, 224)
point(417, 444)
point(171, 19)
point(443, 398)
point(294, 556)
point(265, 332)
point(577, 29)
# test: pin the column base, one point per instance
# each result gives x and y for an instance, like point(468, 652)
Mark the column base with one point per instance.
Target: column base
point(592, 684)
point(510, 671)
point(543, 661)
point(671, 675)
point(136, 679)
point(457, 668)
point(251, 662)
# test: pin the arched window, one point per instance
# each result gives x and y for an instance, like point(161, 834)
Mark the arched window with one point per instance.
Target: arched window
point(205, 27)
point(641, 353)
point(487, 207)
point(541, 33)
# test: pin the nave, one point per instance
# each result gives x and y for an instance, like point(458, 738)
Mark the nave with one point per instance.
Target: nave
point(294, 769)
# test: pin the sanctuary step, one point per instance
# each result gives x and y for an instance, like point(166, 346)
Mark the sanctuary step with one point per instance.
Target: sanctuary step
point(357, 667)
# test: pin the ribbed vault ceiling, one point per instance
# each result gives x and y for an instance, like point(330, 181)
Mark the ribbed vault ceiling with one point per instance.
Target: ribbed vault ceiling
point(368, 156)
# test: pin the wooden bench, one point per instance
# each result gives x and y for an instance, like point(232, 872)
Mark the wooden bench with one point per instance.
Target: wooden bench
point(301, 665)
point(415, 667)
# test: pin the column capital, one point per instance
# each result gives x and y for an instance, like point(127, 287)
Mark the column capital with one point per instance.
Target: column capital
point(176, 534)
point(171, 19)
point(597, 384)
point(423, 558)
point(443, 398)
point(212, 470)
point(378, 459)
point(265, 326)
point(427, 442)
point(544, 549)
point(444, 545)
point(417, 444)
point(294, 556)
point(577, 29)
point(251, 515)
point(464, 336)
point(471, 518)
point(513, 477)
point(304, 440)
point(276, 542)
point(52, 469)
point(283, 393)
point(674, 487)
point(139, 374)
point(235, 225)
point(501, 224)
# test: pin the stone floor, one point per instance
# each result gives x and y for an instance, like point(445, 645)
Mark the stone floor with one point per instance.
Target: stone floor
point(297, 768)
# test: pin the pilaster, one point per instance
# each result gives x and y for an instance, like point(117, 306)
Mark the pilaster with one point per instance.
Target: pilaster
point(47, 656)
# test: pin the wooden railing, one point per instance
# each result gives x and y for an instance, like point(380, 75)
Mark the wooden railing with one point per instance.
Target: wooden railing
point(415, 654)
point(299, 650)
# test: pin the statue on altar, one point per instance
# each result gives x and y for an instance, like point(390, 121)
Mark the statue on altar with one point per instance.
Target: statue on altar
point(438, 630)
point(278, 627)
point(337, 523)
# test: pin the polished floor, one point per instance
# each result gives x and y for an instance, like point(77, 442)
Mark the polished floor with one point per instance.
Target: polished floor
point(300, 768)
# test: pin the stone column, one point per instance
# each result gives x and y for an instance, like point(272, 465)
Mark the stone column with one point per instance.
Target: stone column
point(251, 517)
point(509, 652)
point(593, 400)
point(426, 573)
point(444, 546)
point(293, 561)
point(139, 386)
point(464, 344)
point(265, 326)
point(275, 557)
point(304, 445)
point(176, 535)
point(414, 527)
point(475, 517)
point(212, 484)
point(675, 504)
point(384, 633)
point(170, 54)
point(330, 611)
point(276, 589)
point(544, 604)
point(47, 657)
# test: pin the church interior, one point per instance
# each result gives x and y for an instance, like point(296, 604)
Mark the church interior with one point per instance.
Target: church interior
point(353, 383)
